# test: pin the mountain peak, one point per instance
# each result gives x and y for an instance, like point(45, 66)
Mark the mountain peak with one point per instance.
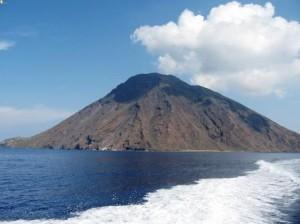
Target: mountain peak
point(138, 85)
point(161, 112)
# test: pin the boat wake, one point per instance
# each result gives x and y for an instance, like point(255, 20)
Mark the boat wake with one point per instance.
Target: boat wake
point(260, 196)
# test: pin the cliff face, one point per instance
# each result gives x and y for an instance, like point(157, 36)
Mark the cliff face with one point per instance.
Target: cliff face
point(161, 112)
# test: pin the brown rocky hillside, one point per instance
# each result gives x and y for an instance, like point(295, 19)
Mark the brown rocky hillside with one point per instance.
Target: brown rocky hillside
point(161, 112)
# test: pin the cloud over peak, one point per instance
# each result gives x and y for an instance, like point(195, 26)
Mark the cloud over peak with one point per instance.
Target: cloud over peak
point(242, 47)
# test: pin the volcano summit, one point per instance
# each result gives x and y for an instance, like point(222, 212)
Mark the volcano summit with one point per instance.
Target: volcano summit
point(162, 113)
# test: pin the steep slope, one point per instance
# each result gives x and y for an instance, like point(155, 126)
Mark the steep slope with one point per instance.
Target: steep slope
point(161, 112)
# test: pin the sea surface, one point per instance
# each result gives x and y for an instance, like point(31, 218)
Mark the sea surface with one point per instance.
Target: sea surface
point(87, 187)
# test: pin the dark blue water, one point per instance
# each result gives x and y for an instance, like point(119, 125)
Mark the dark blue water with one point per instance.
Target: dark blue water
point(55, 184)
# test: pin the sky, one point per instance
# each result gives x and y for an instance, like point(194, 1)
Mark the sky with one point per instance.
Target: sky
point(58, 56)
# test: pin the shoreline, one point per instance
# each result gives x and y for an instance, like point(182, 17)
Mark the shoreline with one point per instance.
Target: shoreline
point(148, 151)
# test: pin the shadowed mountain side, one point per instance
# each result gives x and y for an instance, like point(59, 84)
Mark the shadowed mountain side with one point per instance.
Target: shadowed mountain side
point(161, 112)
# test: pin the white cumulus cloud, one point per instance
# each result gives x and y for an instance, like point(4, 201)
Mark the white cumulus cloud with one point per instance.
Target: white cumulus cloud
point(27, 121)
point(242, 47)
point(5, 45)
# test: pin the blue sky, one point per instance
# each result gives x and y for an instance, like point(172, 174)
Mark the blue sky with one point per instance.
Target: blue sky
point(58, 56)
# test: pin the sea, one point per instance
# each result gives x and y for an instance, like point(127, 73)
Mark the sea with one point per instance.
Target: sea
point(40, 186)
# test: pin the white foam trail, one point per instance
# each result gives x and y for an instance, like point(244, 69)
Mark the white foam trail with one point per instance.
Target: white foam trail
point(253, 198)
